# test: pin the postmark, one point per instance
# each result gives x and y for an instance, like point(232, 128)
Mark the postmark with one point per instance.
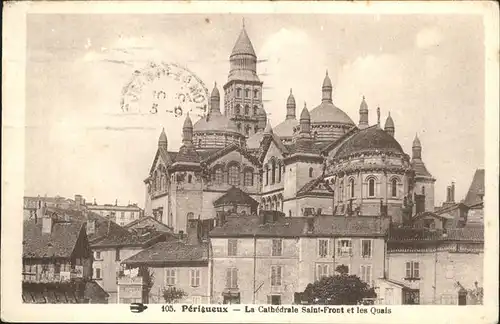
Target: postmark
point(164, 89)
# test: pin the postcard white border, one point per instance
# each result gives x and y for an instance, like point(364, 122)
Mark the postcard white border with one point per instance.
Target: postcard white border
point(13, 77)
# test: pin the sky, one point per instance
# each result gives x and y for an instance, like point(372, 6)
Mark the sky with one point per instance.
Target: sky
point(426, 70)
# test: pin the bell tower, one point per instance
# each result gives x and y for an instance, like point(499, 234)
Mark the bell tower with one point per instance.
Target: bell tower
point(243, 89)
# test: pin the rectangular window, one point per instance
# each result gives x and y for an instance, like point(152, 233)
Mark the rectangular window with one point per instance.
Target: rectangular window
point(344, 247)
point(366, 273)
point(277, 247)
point(247, 92)
point(276, 274)
point(411, 296)
point(274, 299)
point(323, 248)
point(238, 92)
point(231, 278)
point(170, 277)
point(322, 270)
point(97, 273)
point(232, 247)
point(98, 255)
point(117, 255)
point(196, 300)
point(412, 270)
point(132, 215)
point(122, 216)
point(366, 248)
point(195, 277)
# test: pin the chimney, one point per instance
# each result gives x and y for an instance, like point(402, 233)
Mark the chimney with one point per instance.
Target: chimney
point(90, 226)
point(448, 194)
point(194, 232)
point(309, 225)
point(78, 201)
point(452, 192)
point(47, 223)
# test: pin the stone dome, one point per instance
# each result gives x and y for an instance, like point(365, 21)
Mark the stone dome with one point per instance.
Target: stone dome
point(285, 128)
point(215, 122)
point(369, 140)
point(327, 112)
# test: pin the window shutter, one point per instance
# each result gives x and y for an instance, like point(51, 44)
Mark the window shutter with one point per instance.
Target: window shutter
point(228, 278)
point(268, 299)
point(416, 272)
point(235, 277)
point(408, 269)
point(279, 270)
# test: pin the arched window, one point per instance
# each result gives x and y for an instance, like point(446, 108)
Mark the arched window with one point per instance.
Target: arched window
point(190, 178)
point(315, 135)
point(394, 188)
point(199, 142)
point(247, 130)
point(371, 188)
point(238, 126)
point(237, 109)
point(279, 172)
point(247, 93)
point(341, 191)
point(255, 110)
point(289, 213)
point(218, 177)
point(351, 187)
point(247, 110)
point(267, 174)
point(233, 175)
point(256, 129)
point(190, 215)
point(158, 180)
point(238, 92)
point(423, 190)
point(248, 178)
point(310, 172)
point(273, 171)
point(256, 93)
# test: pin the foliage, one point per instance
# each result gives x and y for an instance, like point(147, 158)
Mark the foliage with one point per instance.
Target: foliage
point(340, 289)
point(173, 294)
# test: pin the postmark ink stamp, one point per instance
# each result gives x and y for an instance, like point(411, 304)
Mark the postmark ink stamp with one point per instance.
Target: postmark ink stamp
point(164, 88)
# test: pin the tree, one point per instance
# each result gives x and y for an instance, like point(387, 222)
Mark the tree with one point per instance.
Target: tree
point(173, 295)
point(340, 289)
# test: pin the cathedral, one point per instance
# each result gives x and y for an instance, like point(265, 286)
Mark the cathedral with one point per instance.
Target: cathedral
point(321, 163)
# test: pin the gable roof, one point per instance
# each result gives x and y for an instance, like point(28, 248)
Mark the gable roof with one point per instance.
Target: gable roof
point(167, 157)
point(230, 148)
point(476, 189)
point(146, 222)
point(465, 234)
point(237, 196)
point(317, 185)
point(170, 252)
point(59, 243)
point(266, 143)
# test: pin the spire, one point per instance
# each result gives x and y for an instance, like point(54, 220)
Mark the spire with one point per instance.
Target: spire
point(290, 106)
point(269, 129)
point(327, 89)
point(162, 141)
point(378, 117)
point(187, 131)
point(305, 122)
point(243, 45)
point(215, 100)
point(363, 114)
point(416, 148)
point(389, 125)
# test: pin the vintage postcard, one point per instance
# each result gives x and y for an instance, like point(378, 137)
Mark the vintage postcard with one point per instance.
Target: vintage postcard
point(250, 162)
